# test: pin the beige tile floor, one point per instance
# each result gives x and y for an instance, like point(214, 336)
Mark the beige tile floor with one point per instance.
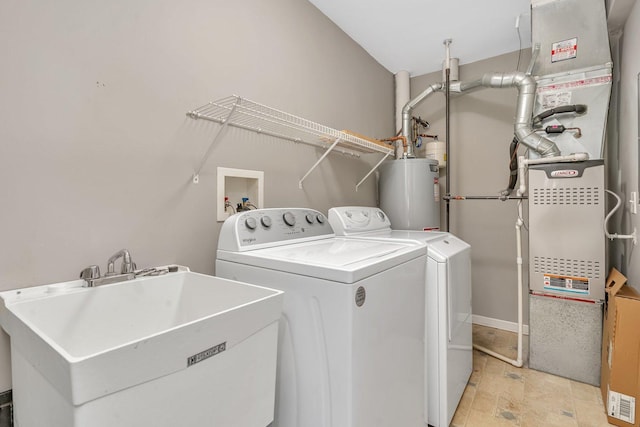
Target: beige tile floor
point(499, 394)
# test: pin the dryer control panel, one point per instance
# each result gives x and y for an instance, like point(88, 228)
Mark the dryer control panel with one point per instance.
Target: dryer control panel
point(348, 220)
point(261, 228)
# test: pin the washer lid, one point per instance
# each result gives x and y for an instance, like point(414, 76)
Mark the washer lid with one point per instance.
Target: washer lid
point(402, 235)
point(337, 259)
point(441, 245)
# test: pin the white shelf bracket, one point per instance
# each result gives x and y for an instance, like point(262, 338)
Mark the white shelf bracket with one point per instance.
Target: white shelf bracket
point(318, 162)
point(372, 170)
point(225, 123)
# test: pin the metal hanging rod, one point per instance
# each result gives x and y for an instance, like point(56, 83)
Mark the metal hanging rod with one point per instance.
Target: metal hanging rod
point(503, 198)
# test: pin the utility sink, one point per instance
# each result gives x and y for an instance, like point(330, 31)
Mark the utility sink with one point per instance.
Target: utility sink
point(176, 349)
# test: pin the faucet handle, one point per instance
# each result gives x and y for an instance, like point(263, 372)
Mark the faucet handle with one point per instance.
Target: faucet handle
point(90, 273)
point(128, 267)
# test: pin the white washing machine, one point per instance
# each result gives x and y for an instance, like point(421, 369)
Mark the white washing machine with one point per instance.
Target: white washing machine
point(351, 337)
point(449, 354)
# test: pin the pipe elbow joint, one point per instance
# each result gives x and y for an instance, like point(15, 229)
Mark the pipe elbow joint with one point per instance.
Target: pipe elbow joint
point(543, 146)
point(548, 149)
point(520, 79)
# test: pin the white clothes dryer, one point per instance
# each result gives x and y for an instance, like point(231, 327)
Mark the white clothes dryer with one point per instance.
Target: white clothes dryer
point(448, 343)
point(351, 336)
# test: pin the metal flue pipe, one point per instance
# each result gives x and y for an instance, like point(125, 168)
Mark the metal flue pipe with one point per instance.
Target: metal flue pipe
point(447, 97)
point(407, 111)
point(523, 130)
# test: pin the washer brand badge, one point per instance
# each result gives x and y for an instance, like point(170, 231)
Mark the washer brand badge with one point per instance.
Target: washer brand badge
point(203, 355)
point(361, 295)
point(564, 173)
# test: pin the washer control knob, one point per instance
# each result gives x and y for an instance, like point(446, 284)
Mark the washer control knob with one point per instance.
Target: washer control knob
point(251, 223)
point(309, 218)
point(289, 219)
point(266, 221)
point(320, 218)
point(381, 215)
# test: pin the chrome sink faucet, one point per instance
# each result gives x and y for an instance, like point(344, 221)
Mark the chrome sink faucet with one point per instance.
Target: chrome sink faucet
point(128, 266)
point(92, 276)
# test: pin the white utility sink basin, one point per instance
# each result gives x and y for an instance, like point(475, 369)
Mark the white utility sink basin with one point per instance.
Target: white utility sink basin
point(179, 349)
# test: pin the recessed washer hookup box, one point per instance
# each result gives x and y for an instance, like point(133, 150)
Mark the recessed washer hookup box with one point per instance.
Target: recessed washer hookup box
point(620, 376)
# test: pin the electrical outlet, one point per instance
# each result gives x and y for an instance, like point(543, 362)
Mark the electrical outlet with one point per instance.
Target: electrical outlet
point(634, 202)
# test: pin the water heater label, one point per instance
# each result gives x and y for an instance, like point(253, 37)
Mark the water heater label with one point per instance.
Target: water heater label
point(436, 190)
point(203, 355)
point(579, 285)
point(566, 49)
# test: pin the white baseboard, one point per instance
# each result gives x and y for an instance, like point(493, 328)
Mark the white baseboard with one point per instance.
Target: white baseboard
point(499, 324)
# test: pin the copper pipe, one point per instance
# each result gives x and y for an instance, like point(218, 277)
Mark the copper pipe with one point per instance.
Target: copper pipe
point(398, 138)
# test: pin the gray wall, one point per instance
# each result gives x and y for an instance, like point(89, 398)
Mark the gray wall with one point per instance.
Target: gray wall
point(96, 153)
point(481, 131)
point(624, 177)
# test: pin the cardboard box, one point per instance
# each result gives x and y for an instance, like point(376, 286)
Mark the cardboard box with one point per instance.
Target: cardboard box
point(620, 373)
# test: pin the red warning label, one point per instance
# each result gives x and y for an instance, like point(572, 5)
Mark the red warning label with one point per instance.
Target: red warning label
point(569, 86)
point(555, 282)
point(566, 49)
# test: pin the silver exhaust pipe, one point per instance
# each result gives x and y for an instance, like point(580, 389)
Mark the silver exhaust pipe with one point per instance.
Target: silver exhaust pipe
point(523, 129)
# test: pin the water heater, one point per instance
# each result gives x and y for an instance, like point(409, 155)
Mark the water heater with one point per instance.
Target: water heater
point(410, 193)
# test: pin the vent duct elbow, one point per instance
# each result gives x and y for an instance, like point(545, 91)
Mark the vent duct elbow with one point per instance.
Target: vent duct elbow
point(407, 111)
point(523, 129)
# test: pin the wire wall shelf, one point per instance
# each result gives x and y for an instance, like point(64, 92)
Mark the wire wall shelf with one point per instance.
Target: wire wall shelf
point(245, 114)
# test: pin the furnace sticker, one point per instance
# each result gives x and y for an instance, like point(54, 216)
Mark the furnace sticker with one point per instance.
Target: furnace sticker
point(578, 285)
point(566, 49)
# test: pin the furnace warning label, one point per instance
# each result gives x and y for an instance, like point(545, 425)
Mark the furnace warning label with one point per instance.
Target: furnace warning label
point(566, 49)
point(555, 99)
point(567, 87)
point(578, 285)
